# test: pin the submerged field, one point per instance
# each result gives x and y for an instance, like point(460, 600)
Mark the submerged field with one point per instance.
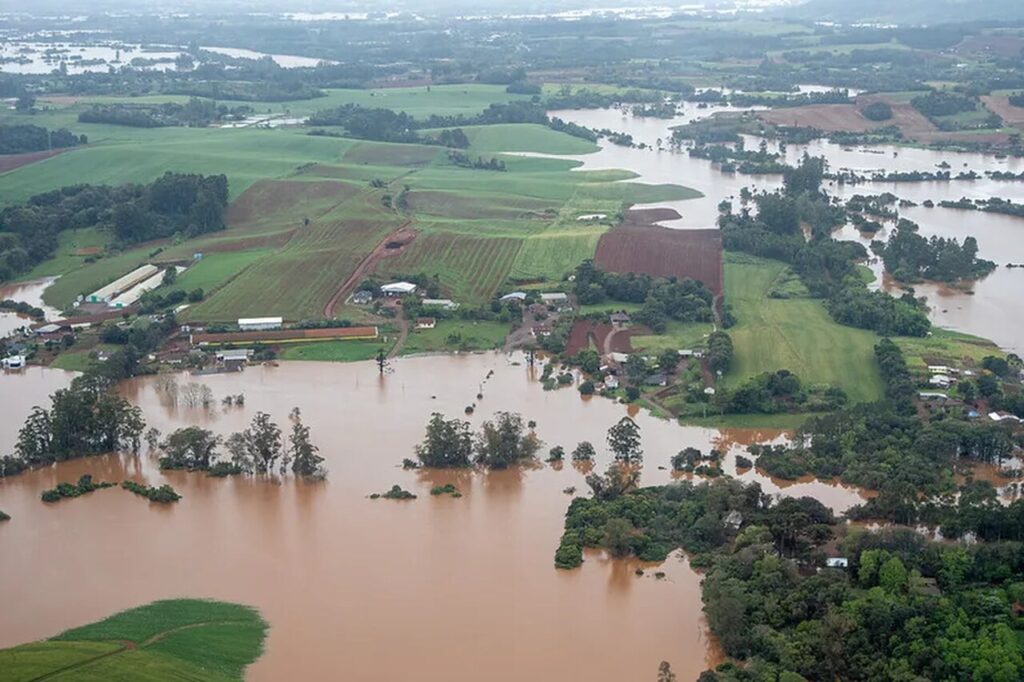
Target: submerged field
point(182, 639)
point(307, 211)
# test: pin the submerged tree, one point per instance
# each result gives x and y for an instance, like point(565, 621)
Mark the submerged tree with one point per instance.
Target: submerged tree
point(305, 460)
point(616, 481)
point(258, 448)
point(624, 441)
point(584, 452)
point(189, 448)
point(504, 441)
point(448, 443)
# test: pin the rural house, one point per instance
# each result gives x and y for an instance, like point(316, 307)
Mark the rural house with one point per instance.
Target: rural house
point(425, 322)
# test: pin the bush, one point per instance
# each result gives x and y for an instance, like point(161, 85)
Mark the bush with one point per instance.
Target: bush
point(395, 493)
point(877, 111)
point(164, 494)
point(85, 485)
point(446, 489)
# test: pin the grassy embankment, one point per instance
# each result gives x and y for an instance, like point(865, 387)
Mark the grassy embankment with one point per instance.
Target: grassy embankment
point(181, 639)
point(476, 229)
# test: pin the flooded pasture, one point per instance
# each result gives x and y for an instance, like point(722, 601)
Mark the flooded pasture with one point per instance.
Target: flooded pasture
point(459, 586)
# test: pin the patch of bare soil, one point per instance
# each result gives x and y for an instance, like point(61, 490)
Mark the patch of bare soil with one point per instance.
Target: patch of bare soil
point(639, 246)
point(9, 162)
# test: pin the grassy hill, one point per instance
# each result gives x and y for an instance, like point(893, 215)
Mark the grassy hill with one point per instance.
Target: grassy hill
point(181, 639)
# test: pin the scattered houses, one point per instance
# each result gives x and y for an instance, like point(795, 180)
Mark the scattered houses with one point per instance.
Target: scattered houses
point(398, 289)
point(940, 380)
point(259, 324)
point(539, 330)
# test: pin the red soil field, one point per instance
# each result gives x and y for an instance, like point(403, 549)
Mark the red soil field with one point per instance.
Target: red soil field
point(640, 247)
point(606, 338)
point(9, 162)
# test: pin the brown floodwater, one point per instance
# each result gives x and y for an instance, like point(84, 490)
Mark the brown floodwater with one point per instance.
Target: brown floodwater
point(30, 292)
point(992, 310)
point(433, 589)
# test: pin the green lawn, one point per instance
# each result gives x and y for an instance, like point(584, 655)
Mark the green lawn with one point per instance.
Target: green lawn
point(334, 351)
point(677, 336)
point(214, 270)
point(181, 639)
point(945, 347)
point(794, 334)
point(453, 335)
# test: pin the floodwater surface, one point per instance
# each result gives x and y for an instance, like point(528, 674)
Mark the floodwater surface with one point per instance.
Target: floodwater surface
point(432, 589)
point(990, 308)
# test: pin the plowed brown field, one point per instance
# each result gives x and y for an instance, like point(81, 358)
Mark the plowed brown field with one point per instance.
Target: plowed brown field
point(638, 246)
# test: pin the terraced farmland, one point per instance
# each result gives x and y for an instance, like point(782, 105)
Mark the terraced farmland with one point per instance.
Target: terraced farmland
point(470, 268)
point(298, 280)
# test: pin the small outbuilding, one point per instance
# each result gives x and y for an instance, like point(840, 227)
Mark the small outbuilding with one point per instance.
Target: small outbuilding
point(514, 296)
point(259, 324)
point(837, 562)
point(363, 297)
point(1003, 417)
point(442, 303)
point(557, 299)
point(658, 379)
point(398, 289)
point(611, 382)
point(619, 319)
point(14, 362)
point(426, 322)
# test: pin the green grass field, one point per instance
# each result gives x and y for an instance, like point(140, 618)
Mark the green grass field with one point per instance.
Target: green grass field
point(306, 210)
point(794, 334)
point(454, 335)
point(334, 351)
point(677, 336)
point(181, 639)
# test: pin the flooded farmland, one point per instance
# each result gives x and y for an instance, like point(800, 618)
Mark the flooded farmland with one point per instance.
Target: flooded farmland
point(990, 308)
point(461, 585)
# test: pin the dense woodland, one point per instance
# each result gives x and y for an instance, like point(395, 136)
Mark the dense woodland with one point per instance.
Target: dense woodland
point(663, 300)
point(909, 257)
point(176, 203)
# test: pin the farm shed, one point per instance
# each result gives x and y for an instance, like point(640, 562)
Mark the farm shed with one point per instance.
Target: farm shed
point(443, 303)
point(514, 296)
point(257, 324)
point(122, 284)
point(398, 289)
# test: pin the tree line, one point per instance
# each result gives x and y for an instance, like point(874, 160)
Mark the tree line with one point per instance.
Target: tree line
point(175, 203)
point(194, 113)
point(18, 139)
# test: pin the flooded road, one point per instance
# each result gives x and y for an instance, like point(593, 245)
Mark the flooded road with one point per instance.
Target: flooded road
point(433, 589)
point(991, 309)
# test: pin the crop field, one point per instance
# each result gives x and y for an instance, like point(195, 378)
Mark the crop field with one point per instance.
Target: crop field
point(470, 268)
point(794, 334)
point(182, 639)
point(661, 252)
point(298, 280)
point(306, 210)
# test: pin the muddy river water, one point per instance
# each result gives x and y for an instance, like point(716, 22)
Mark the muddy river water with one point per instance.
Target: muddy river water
point(993, 308)
point(432, 589)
